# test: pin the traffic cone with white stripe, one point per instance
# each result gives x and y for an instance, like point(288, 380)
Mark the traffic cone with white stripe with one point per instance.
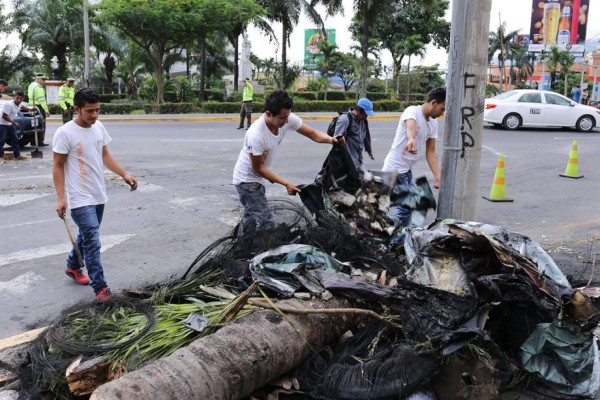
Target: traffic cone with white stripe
point(498, 192)
point(572, 170)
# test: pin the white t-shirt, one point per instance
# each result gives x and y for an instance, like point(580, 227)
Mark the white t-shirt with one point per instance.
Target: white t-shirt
point(260, 140)
point(10, 109)
point(395, 161)
point(84, 169)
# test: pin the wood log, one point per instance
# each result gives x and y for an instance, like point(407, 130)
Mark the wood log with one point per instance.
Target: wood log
point(84, 377)
point(236, 360)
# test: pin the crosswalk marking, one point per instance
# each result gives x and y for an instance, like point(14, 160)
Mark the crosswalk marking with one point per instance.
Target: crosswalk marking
point(19, 285)
point(12, 199)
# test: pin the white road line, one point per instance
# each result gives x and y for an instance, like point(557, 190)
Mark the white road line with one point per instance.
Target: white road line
point(41, 221)
point(492, 150)
point(12, 199)
point(20, 284)
point(57, 249)
point(203, 140)
point(27, 177)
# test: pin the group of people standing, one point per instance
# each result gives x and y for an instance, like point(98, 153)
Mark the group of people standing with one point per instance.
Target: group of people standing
point(36, 94)
point(416, 133)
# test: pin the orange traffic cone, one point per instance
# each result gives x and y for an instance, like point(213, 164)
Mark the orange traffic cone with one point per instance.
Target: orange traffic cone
point(572, 170)
point(498, 192)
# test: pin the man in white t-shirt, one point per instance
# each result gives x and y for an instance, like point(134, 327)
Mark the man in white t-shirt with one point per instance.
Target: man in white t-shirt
point(261, 143)
point(8, 126)
point(417, 131)
point(80, 155)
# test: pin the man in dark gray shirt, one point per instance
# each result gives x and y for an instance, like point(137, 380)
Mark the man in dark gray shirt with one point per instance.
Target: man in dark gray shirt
point(356, 129)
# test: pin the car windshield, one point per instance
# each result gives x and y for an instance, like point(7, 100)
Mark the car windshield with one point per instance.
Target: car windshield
point(504, 95)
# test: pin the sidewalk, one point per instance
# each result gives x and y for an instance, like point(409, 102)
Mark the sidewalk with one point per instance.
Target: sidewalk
point(307, 116)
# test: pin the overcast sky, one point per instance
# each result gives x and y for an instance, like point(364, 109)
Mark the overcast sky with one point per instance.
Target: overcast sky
point(516, 14)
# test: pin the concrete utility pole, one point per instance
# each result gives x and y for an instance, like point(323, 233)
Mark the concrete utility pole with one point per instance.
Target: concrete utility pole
point(86, 44)
point(465, 96)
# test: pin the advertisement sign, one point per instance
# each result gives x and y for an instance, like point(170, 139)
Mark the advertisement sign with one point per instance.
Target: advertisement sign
point(561, 23)
point(312, 38)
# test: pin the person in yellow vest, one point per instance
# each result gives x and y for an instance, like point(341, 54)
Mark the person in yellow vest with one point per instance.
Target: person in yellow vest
point(246, 111)
point(37, 97)
point(66, 93)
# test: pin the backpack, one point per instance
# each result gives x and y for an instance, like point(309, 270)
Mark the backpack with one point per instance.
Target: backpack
point(331, 127)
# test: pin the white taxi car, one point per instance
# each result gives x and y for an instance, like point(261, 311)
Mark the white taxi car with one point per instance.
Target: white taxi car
point(539, 108)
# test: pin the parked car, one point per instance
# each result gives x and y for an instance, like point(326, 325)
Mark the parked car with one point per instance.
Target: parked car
point(539, 108)
point(26, 133)
point(594, 103)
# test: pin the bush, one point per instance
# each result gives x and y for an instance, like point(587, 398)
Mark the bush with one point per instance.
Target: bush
point(216, 107)
point(335, 96)
point(108, 98)
point(213, 94)
point(171, 108)
point(258, 98)
point(305, 95)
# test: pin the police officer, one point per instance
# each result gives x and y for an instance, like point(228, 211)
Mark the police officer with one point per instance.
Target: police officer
point(37, 97)
point(66, 93)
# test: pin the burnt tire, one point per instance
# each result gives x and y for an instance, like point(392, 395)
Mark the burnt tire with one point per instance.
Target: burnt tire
point(585, 123)
point(512, 122)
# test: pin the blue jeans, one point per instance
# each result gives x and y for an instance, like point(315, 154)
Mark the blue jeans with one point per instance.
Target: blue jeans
point(402, 213)
point(88, 219)
point(256, 209)
point(9, 132)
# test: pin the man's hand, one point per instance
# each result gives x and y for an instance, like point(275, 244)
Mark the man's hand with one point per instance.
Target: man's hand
point(291, 189)
point(130, 181)
point(61, 208)
point(338, 140)
point(436, 182)
point(371, 155)
point(410, 147)
point(16, 124)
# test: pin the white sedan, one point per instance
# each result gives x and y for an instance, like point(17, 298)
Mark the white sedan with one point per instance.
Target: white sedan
point(539, 108)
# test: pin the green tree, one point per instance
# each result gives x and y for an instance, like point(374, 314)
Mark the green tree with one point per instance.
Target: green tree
point(131, 65)
point(47, 27)
point(325, 64)
point(287, 12)
point(410, 18)
point(411, 46)
point(555, 59)
point(498, 41)
point(345, 66)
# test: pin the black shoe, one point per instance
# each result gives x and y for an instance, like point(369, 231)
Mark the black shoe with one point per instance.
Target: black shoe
point(43, 144)
point(240, 127)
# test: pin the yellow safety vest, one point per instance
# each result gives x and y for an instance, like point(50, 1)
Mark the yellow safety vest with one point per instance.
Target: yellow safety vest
point(37, 95)
point(66, 94)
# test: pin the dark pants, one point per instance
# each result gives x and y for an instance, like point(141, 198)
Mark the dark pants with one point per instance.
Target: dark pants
point(41, 130)
point(88, 219)
point(8, 133)
point(67, 115)
point(246, 112)
point(257, 214)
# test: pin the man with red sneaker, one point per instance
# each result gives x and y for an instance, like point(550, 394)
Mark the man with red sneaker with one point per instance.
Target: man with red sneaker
point(80, 155)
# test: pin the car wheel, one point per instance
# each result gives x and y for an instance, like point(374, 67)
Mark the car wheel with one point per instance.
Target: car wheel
point(24, 141)
point(585, 123)
point(512, 121)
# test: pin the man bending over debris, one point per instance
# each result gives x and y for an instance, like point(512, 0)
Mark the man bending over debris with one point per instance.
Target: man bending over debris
point(416, 131)
point(80, 154)
point(262, 140)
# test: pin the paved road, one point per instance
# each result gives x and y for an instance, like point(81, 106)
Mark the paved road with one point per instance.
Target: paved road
point(185, 202)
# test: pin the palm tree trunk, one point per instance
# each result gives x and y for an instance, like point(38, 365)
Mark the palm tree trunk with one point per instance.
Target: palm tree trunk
point(238, 359)
point(284, 41)
point(203, 66)
point(236, 62)
point(364, 47)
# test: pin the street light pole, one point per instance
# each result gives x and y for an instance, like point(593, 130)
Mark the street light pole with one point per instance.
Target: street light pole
point(86, 44)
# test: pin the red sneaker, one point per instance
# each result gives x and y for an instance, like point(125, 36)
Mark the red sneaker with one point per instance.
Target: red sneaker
point(104, 295)
point(78, 276)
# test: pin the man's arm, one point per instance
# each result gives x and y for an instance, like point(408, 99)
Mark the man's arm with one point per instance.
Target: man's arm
point(259, 167)
point(113, 165)
point(411, 133)
point(7, 118)
point(58, 174)
point(432, 161)
point(318, 136)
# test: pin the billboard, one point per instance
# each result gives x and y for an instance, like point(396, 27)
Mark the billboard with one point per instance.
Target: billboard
point(312, 38)
point(561, 23)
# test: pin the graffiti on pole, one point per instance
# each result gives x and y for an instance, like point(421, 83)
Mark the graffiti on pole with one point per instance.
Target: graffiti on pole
point(560, 23)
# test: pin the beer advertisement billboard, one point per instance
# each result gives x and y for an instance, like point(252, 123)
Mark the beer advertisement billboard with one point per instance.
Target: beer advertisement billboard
point(312, 38)
point(561, 23)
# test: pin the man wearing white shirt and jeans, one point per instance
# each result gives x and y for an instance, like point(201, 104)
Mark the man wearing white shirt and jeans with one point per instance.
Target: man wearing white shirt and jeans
point(253, 167)
point(417, 131)
point(8, 126)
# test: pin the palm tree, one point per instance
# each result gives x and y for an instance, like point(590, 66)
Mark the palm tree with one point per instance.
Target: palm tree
point(497, 42)
point(556, 58)
point(287, 12)
point(411, 46)
point(328, 53)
